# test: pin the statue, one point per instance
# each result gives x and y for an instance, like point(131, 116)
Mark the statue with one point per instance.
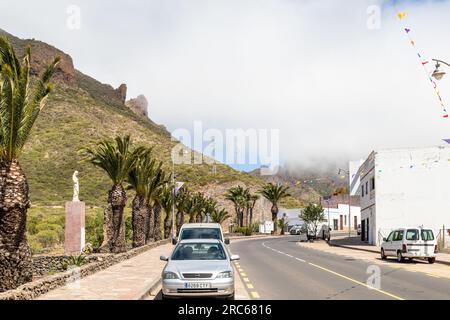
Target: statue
point(75, 187)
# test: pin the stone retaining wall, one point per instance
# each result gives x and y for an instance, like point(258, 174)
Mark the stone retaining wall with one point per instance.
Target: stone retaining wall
point(33, 289)
point(45, 264)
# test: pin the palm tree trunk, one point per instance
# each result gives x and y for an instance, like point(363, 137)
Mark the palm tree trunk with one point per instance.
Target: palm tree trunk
point(274, 211)
point(114, 225)
point(157, 222)
point(167, 225)
point(179, 221)
point(15, 254)
point(138, 219)
point(149, 225)
point(251, 216)
point(246, 217)
point(191, 218)
point(199, 217)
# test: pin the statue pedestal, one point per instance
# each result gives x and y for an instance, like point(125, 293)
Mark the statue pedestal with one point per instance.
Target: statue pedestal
point(74, 239)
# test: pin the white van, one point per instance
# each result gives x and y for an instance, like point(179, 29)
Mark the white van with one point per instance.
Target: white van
point(410, 243)
point(201, 231)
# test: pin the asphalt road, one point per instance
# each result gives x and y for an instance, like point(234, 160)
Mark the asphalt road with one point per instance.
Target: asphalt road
point(278, 268)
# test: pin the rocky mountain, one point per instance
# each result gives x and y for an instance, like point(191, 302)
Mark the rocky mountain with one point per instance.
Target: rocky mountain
point(80, 112)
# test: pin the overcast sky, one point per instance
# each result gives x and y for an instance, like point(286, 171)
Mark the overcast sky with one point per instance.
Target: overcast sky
point(335, 88)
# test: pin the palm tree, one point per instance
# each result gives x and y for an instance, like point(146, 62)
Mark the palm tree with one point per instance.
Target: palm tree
point(153, 198)
point(166, 199)
point(199, 203)
point(190, 208)
point(274, 193)
point(282, 223)
point(250, 204)
point(117, 160)
point(180, 204)
point(237, 196)
point(219, 216)
point(138, 179)
point(20, 105)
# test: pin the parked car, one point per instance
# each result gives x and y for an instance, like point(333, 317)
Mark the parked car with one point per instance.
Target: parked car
point(358, 230)
point(199, 268)
point(410, 243)
point(295, 230)
point(201, 231)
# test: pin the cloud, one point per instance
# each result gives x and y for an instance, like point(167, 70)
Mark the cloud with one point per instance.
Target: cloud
point(313, 69)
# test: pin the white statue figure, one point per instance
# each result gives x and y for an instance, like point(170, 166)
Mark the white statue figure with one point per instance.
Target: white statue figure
point(75, 187)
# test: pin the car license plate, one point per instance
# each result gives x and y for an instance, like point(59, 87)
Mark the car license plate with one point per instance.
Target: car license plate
point(197, 285)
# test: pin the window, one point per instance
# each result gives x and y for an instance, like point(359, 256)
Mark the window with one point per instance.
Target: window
point(362, 190)
point(367, 187)
point(412, 234)
point(372, 182)
point(345, 219)
point(200, 233)
point(199, 251)
point(391, 236)
point(427, 235)
point(398, 236)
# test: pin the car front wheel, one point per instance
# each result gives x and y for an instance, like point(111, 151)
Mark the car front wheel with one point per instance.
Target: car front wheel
point(383, 256)
point(399, 256)
point(431, 260)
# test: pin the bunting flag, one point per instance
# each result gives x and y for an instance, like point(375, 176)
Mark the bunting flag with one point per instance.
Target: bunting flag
point(401, 15)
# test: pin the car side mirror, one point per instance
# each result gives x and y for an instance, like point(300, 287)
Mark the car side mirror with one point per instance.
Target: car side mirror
point(163, 258)
point(227, 241)
point(234, 257)
point(384, 239)
point(174, 241)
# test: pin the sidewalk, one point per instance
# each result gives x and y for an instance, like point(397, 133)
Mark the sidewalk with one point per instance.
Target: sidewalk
point(131, 279)
point(356, 244)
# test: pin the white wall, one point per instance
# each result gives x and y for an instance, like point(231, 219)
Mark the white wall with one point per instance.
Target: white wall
point(412, 188)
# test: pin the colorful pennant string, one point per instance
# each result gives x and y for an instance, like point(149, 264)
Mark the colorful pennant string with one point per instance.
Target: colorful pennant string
point(401, 15)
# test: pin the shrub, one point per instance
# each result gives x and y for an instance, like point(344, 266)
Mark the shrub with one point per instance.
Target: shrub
point(94, 228)
point(246, 231)
point(78, 261)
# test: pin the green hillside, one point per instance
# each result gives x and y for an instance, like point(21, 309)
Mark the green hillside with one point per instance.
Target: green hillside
point(80, 112)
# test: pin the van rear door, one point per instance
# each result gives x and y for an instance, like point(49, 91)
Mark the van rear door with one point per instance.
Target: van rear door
point(413, 242)
point(428, 242)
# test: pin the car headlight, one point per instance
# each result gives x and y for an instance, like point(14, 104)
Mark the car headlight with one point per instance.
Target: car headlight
point(169, 275)
point(225, 274)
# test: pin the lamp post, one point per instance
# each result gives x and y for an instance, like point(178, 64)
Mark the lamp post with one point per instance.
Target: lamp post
point(437, 73)
point(349, 199)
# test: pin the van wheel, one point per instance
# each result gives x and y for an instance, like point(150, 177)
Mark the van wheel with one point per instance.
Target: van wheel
point(383, 256)
point(431, 260)
point(399, 257)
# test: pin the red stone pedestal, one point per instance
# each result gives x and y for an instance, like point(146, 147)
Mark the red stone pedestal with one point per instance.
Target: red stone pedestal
point(74, 240)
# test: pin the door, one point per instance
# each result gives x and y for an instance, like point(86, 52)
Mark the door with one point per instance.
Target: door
point(367, 230)
point(363, 230)
point(355, 223)
point(388, 245)
point(335, 224)
point(341, 224)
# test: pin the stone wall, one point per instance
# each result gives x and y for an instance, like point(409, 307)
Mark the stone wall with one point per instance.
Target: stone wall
point(36, 288)
point(45, 264)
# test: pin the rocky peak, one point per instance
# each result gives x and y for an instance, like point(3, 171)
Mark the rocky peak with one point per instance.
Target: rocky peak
point(139, 105)
point(121, 92)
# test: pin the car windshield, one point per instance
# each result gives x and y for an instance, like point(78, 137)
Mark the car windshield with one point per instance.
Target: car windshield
point(201, 233)
point(427, 235)
point(199, 251)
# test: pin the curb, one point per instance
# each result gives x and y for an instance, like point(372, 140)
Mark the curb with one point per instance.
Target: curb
point(376, 251)
point(149, 289)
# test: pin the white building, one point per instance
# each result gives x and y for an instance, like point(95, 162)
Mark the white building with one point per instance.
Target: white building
point(336, 210)
point(404, 188)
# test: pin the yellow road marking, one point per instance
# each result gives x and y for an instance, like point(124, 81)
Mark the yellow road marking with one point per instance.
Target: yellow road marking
point(246, 280)
point(243, 274)
point(255, 295)
point(432, 275)
point(358, 282)
point(249, 285)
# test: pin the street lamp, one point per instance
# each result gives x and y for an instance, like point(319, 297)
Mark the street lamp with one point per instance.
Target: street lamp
point(349, 199)
point(438, 74)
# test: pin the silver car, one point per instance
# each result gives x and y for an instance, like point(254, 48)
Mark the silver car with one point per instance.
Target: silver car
point(199, 268)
